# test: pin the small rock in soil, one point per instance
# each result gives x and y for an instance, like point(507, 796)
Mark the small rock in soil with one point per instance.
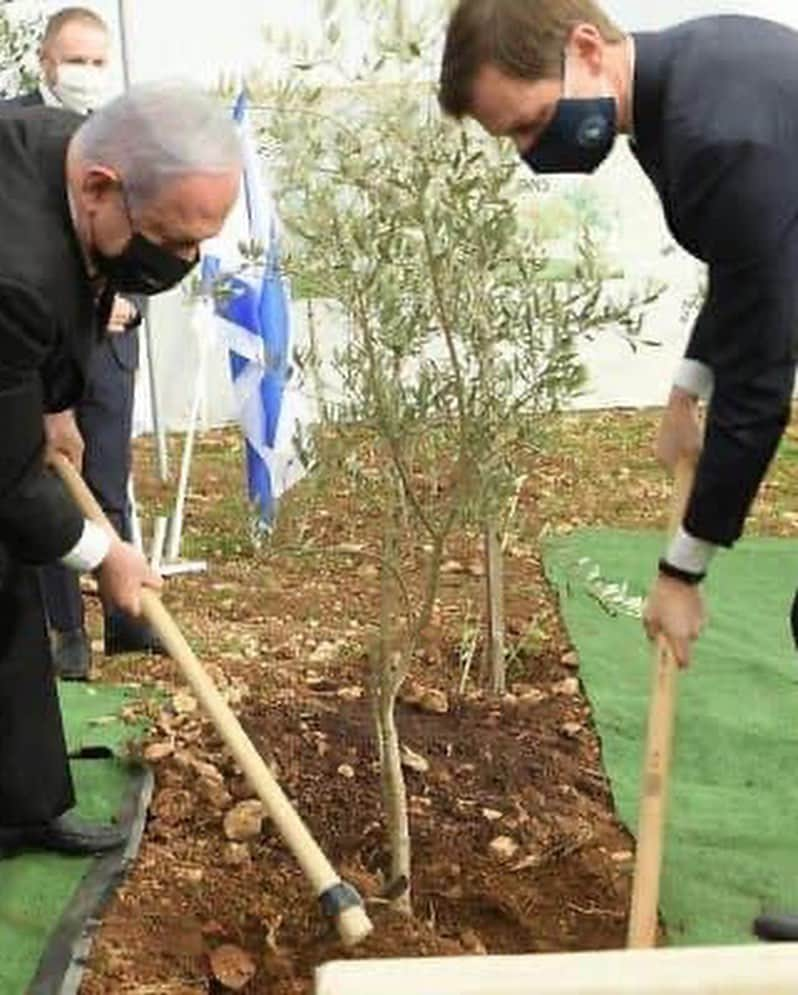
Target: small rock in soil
point(324, 653)
point(452, 567)
point(240, 789)
point(532, 860)
point(184, 703)
point(193, 875)
point(321, 684)
point(236, 854)
point(156, 752)
point(434, 701)
point(533, 697)
point(419, 804)
point(244, 822)
point(413, 761)
point(347, 771)
point(504, 847)
point(232, 966)
point(172, 806)
point(213, 928)
point(569, 686)
point(353, 693)
point(352, 547)
point(207, 771)
point(571, 660)
point(217, 796)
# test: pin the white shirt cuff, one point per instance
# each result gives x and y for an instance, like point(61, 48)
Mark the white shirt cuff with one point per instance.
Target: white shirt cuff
point(89, 551)
point(688, 553)
point(694, 377)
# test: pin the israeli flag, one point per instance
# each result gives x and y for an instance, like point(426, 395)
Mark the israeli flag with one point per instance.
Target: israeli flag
point(250, 299)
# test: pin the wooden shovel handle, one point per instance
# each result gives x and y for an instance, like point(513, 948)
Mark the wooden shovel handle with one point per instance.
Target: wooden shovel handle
point(338, 899)
point(643, 916)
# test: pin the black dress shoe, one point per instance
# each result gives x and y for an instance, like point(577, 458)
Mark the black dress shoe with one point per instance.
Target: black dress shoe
point(777, 928)
point(128, 635)
point(66, 834)
point(71, 654)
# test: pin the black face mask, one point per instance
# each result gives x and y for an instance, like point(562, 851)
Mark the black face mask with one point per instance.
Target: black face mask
point(578, 138)
point(143, 267)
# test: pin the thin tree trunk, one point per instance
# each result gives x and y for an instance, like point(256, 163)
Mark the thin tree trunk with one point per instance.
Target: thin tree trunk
point(389, 669)
point(494, 588)
point(313, 360)
point(395, 797)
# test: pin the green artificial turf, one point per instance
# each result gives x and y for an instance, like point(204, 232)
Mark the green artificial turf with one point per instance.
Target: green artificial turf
point(35, 889)
point(732, 837)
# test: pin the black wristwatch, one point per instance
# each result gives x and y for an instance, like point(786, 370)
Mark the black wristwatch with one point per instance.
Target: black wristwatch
point(685, 576)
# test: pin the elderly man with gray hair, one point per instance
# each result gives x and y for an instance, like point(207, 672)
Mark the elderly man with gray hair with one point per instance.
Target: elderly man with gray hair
point(118, 202)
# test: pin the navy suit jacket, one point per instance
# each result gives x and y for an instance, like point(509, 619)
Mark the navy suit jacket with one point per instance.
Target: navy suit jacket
point(715, 127)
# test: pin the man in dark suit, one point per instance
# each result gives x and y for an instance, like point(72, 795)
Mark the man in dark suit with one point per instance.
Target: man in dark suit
point(85, 214)
point(711, 108)
point(73, 60)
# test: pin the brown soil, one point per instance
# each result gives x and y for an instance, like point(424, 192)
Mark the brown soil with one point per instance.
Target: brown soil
point(285, 636)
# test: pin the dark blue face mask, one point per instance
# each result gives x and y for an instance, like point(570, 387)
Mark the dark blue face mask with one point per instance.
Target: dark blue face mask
point(577, 139)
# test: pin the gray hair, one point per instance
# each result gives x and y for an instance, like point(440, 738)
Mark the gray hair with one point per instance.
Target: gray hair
point(159, 132)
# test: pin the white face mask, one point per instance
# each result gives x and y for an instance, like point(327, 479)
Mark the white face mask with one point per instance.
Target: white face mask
point(81, 88)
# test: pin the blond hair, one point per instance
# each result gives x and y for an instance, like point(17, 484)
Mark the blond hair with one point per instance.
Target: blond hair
point(70, 15)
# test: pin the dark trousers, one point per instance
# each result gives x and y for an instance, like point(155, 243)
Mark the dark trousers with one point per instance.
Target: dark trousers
point(35, 783)
point(105, 419)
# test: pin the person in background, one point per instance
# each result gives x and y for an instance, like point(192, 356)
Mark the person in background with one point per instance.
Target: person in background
point(73, 60)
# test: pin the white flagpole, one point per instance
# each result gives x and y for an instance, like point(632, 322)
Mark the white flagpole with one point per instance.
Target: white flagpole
point(157, 425)
point(124, 33)
point(200, 320)
point(135, 522)
point(124, 14)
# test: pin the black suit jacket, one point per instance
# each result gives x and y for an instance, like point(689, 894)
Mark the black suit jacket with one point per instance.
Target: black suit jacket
point(32, 99)
point(123, 347)
point(715, 127)
point(47, 326)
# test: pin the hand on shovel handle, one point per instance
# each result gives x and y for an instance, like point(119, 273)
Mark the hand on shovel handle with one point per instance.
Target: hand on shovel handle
point(122, 575)
point(653, 800)
point(338, 900)
point(675, 612)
